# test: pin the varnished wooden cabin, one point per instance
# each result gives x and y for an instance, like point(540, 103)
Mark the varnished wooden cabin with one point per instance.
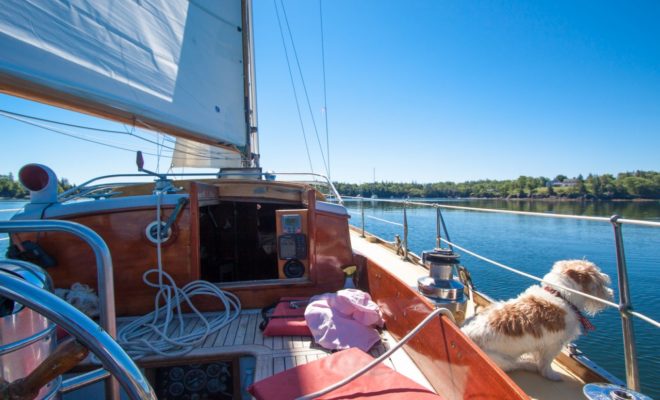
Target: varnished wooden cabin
point(264, 240)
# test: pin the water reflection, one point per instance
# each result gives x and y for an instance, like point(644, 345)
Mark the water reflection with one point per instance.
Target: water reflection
point(646, 210)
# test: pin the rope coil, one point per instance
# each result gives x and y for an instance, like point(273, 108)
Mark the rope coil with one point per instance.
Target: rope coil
point(135, 337)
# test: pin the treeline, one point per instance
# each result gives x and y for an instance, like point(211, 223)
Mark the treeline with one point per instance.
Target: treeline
point(627, 185)
point(12, 189)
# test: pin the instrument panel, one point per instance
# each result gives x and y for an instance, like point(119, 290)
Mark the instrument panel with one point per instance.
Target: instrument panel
point(292, 243)
point(195, 381)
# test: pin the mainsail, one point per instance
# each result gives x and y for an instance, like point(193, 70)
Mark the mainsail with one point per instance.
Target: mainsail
point(172, 65)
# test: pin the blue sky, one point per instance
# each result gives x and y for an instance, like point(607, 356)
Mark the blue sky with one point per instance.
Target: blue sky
point(430, 91)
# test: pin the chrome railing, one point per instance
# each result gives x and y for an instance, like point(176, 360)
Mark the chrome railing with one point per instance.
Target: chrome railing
point(87, 189)
point(106, 288)
point(99, 342)
point(625, 300)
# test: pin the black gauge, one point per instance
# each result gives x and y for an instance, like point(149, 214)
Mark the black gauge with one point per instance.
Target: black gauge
point(176, 389)
point(176, 374)
point(195, 380)
point(294, 269)
point(215, 386)
point(213, 370)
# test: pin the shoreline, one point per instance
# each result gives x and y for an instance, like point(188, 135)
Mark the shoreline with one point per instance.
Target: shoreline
point(525, 199)
point(563, 199)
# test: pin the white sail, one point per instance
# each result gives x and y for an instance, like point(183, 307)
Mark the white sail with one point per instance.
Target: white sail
point(175, 65)
point(189, 154)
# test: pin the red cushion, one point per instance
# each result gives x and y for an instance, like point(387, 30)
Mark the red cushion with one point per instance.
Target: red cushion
point(380, 383)
point(294, 324)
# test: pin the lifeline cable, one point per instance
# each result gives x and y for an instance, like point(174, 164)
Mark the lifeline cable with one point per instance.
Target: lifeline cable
point(133, 336)
point(382, 357)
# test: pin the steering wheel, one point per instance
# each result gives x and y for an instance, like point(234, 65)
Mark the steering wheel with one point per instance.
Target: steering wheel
point(112, 356)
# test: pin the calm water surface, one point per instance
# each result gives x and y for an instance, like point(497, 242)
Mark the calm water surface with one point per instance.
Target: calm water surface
point(533, 244)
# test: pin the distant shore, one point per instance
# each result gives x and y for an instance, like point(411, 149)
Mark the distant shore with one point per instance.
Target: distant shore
point(640, 199)
point(521, 199)
point(549, 199)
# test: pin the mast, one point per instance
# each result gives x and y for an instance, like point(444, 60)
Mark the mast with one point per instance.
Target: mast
point(251, 151)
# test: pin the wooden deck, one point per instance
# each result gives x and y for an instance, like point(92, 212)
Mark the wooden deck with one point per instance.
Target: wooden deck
point(275, 354)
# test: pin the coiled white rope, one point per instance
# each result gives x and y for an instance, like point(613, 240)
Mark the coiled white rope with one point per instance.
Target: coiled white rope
point(136, 338)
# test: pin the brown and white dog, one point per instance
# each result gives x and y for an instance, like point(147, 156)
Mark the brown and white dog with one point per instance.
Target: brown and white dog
point(541, 320)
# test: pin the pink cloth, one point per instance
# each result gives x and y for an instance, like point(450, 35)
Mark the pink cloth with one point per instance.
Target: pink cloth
point(344, 319)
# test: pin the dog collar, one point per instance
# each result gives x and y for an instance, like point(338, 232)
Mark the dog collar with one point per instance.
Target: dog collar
point(586, 324)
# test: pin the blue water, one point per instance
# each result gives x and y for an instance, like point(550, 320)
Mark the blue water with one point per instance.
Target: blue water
point(533, 244)
point(6, 211)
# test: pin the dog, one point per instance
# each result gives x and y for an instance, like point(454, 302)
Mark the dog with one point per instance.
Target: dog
point(541, 320)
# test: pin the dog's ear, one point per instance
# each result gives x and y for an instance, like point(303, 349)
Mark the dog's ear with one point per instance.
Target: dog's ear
point(588, 276)
point(582, 278)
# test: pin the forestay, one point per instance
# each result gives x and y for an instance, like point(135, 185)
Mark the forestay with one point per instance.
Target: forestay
point(175, 65)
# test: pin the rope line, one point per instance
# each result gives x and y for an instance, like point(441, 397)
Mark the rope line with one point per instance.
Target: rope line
point(202, 154)
point(382, 357)
point(72, 135)
point(378, 219)
point(525, 274)
point(526, 213)
point(133, 336)
point(24, 119)
point(556, 286)
point(302, 80)
point(325, 92)
point(293, 86)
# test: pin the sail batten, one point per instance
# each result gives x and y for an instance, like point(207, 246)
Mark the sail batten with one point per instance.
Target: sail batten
point(176, 65)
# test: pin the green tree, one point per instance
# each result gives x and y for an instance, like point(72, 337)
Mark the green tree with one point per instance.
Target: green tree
point(579, 186)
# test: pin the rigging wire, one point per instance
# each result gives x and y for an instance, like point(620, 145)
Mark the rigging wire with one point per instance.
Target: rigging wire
point(159, 151)
point(325, 97)
point(72, 135)
point(295, 93)
point(205, 155)
point(132, 133)
point(302, 80)
point(20, 117)
point(59, 122)
point(23, 118)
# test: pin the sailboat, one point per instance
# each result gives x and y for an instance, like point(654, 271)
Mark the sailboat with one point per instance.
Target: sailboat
point(204, 257)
